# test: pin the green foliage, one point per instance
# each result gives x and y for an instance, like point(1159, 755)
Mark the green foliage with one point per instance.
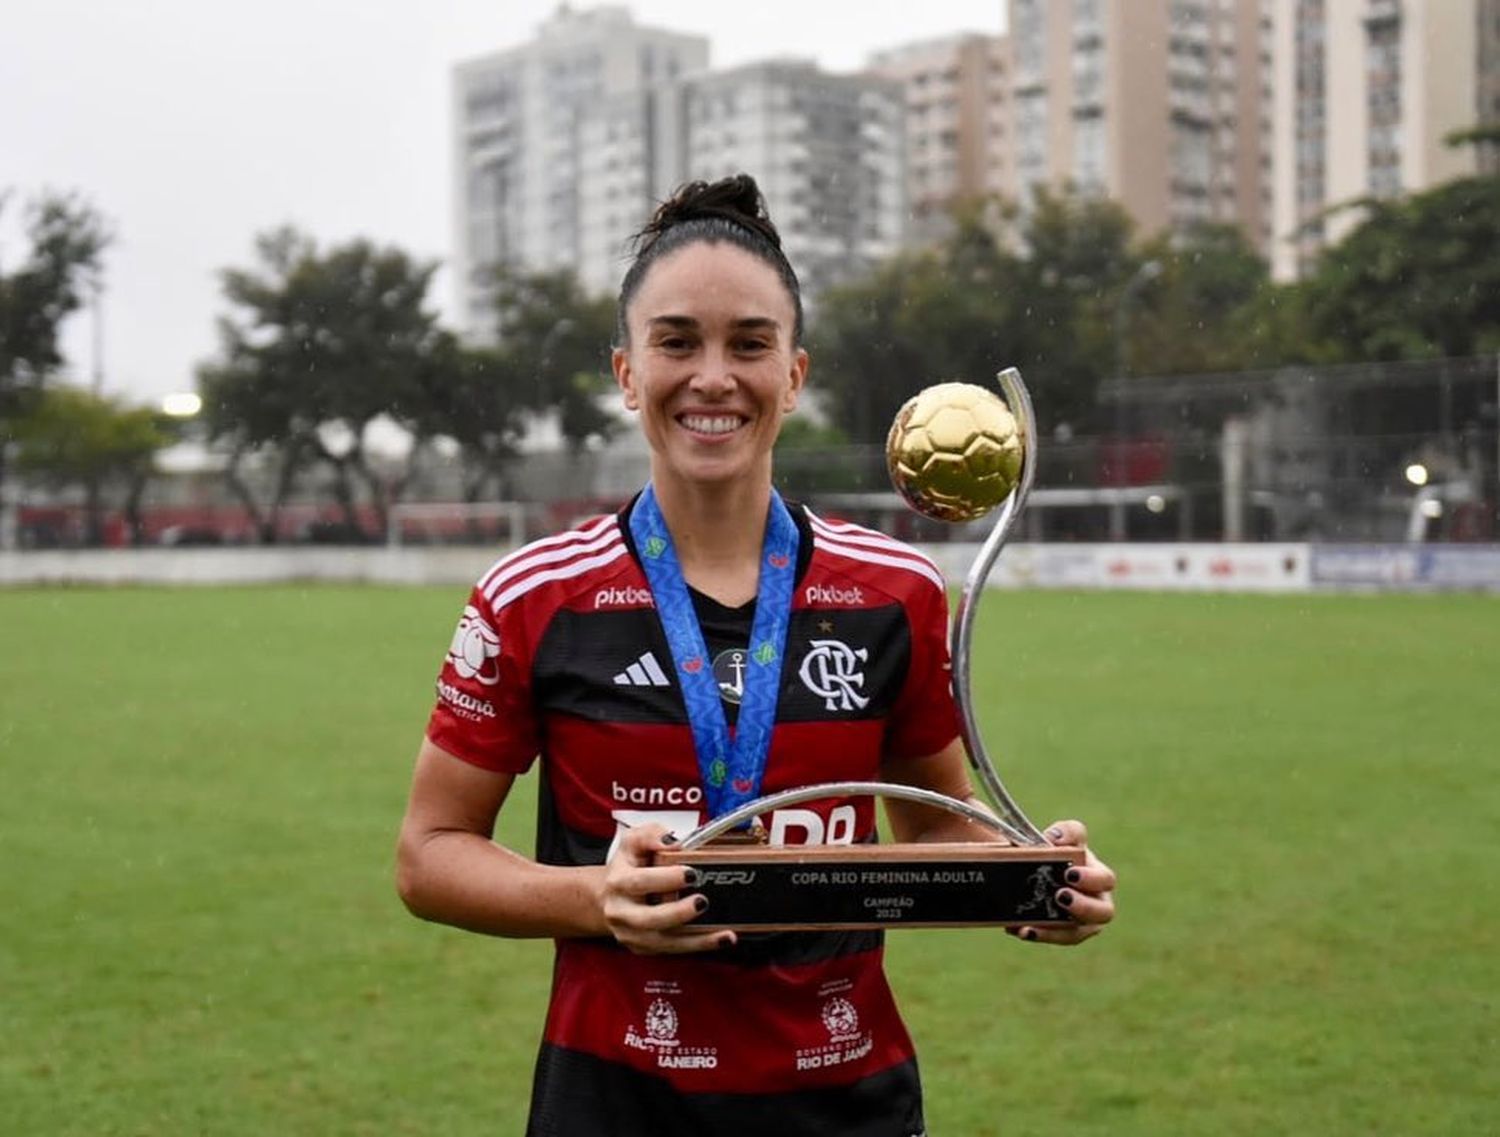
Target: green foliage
point(66, 239)
point(479, 407)
point(812, 458)
point(1078, 261)
point(554, 340)
point(1418, 278)
point(72, 438)
point(551, 355)
point(973, 306)
point(201, 933)
point(1481, 135)
point(323, 345)
point(1192, 318)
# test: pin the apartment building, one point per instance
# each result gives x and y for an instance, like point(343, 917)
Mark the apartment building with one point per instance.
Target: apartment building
point(555, 157)
point(957, 95)
point(564, 146)
point(828, 151)
point(1160, 105)
point(1366, 94)
point(1487, 94)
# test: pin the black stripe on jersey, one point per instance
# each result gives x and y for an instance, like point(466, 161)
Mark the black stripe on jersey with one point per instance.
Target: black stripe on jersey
point(577, 1095)
point(845, 663)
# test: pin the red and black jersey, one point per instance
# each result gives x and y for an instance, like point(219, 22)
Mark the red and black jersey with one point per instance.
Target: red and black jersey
point(559, 655)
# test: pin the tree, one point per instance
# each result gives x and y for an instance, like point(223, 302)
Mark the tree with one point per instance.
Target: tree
point(555, 342)
point(1078, 260)
point(75, 438)
point(323, 346)
point(973, 306)
point(1212, 308)
point(812, 458)
point(66, 239)
point(479, 409)
point(1418, 278)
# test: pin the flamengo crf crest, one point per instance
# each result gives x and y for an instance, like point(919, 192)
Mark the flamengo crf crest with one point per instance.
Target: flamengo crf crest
point(832, 670)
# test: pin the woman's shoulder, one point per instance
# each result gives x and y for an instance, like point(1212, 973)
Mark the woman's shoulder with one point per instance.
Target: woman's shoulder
point(869, 555)
point(573, 559)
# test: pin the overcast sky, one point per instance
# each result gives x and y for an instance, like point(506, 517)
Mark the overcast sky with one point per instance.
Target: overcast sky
point(195, 124)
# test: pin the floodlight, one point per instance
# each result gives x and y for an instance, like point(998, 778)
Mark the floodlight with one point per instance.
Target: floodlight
point(181, 404)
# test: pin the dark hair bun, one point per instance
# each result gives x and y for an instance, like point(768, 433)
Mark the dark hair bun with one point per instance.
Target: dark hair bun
point(732, 210)
point(735, 199)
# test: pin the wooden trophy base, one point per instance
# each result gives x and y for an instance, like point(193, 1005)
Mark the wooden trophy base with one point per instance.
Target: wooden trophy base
point(806, 887)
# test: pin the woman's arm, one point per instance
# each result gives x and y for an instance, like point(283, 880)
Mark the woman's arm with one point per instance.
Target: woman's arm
point(947, 773)
point(449, 870)
point(1090, 899)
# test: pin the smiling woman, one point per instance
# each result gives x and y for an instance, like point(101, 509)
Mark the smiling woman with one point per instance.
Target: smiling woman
point(710, 358)
point(660, 663)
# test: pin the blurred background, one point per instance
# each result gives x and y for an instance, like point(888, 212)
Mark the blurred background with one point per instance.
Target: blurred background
point(1244, 253)
point(316, 294)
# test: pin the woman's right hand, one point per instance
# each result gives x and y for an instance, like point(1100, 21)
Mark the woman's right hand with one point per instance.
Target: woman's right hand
point(635, 899)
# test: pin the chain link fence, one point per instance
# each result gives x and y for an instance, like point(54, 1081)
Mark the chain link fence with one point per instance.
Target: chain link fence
point(1405, 452)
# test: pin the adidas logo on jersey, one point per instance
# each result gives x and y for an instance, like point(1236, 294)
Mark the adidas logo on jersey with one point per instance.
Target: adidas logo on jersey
point(644, 672)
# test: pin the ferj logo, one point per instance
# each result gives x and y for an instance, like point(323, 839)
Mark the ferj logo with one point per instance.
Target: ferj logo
point(779, 560)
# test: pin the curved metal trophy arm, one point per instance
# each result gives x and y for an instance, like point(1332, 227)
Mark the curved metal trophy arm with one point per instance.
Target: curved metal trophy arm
point(1008, 818)
point(1017, 826)
point(751, 809)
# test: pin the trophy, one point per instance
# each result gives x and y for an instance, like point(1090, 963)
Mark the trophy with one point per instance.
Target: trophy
point(955, 452)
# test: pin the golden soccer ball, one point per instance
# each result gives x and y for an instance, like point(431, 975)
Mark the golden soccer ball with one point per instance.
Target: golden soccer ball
point(954, 451)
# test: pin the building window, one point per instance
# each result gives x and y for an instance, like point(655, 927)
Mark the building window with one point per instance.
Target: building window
point(1089, 153)
point(1383, 101)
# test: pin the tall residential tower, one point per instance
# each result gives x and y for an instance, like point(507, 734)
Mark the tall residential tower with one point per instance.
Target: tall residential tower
point(555, 152)
point(827, 151)
point(1367, 92)
point(957, 94)
point(1158, 104)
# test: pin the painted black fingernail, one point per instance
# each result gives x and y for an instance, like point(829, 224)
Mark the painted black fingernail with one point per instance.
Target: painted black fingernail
point(669, 839)
point(1072, 876)
point(1065, 898)
point(700, 903)
point(691, 877)
point(652, 898)
point(1028, 934)
point(726, 941)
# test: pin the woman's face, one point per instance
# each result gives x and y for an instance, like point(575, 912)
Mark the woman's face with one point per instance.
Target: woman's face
point(710, 364)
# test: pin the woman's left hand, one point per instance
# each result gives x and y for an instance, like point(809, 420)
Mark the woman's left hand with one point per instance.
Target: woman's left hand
point(1089, 896)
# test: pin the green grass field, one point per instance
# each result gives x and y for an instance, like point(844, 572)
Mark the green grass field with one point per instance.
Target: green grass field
point(199, 933)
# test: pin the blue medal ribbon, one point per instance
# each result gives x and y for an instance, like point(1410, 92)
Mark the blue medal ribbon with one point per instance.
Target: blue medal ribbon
point(731, 766)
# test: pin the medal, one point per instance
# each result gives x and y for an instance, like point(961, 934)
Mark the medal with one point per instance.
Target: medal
point(730, 765)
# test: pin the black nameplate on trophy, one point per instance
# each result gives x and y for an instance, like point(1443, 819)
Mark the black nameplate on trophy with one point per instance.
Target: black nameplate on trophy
point(757, 887)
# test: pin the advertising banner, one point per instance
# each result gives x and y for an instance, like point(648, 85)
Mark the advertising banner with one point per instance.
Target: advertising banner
point(1195, 567)
point(1408, 568)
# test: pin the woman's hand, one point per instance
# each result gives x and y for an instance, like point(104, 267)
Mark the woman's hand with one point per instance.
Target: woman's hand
point(1089, 897)
point(636, 899)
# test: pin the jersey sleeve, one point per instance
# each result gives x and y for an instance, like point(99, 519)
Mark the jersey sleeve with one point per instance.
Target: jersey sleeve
point(925, 717)
point(484, 712)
